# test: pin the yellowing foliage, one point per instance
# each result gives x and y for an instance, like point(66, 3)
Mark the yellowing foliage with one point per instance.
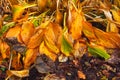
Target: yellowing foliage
point(14, 32)
point(44, 50)
point(76, 24)
point(27, 31)
point(30, 57)
point(4, 50)
point(36, 39)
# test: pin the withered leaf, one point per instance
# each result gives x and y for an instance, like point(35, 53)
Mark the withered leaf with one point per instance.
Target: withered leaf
point(44, 64)
point(15, 45)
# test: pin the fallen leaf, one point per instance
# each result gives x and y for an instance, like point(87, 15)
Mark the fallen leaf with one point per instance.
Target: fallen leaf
point(88, 31)
point(44, 50)
point(36, 39)
point(98, 50)
point(81, 75)
point(4, 50)
point(14, 32)
point(66, 47)
point(18, 10)
point(21, 74)
point(44, 64)
point(30, 57)
point(76, 24)
point(27, 31)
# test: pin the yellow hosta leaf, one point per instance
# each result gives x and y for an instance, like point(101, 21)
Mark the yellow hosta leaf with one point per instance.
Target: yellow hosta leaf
point(21, 74)
point(17, 12)
point(27, 31)
point(113, 28)
point(53, 34)
point(14, 32)
point(115, 37)
point(30, 57)
point(19, 9)
point(36, 39)
point(116, 15)
point(104, 39)
point(4, 50)
point(76, 24)
point(44, 50)
point(51, 46)
point(88, 31)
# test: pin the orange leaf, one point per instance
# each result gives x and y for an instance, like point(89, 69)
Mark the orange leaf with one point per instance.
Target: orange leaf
point(36, 39)
point(53, 34)
point(88, 30)
point(27, 31)
point(44, 50)
point(14, 32)
point(30, 57)
point(17, 11)
point(76, 24)
point(104, 39)
point(4, 50)
point(16, 63)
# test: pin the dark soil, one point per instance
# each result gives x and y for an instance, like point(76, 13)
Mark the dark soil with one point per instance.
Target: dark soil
point(92, 67)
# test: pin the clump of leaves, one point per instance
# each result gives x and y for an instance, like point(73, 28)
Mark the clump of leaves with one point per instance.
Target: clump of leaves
point(49, 32)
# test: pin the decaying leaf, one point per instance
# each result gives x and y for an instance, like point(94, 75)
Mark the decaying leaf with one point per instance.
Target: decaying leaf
point(16, 63)
point(36, 39)
point(81, 75)
point(27, 31)
point(14, 32)
point(66, 47)
point(88, 31)
point(44, 64)
point(44, 50)
point(4, 50)
point(54, 77)
point(75, 23)
point(106, 39)
point(52, 36)
point(21, 74)
point(18, 10)
point(15, 45)
point(30, 57)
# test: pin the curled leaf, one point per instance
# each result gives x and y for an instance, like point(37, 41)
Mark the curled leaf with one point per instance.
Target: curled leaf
point(21, 74)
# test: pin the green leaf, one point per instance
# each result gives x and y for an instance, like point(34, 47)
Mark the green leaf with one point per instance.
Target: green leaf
point(98, 51)
point(6, 27)
point(66, 48)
